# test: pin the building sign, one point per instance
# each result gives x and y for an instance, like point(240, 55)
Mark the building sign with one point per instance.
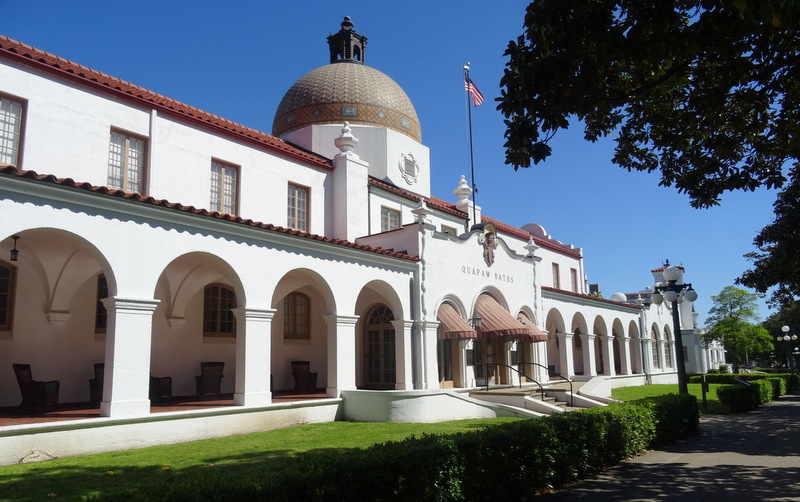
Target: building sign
point(486, 274)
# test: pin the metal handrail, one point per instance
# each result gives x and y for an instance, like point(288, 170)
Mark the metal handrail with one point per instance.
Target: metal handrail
point(523, 374)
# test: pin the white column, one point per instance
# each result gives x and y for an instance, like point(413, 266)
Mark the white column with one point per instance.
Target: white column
point(565, 354)
point(128, 339)
point(589, 362)
point(625, 356)
point(428, 357)
point(647, 355)
point(253, 356)
point(403, 361)
point(341, 353)
point(608, 355)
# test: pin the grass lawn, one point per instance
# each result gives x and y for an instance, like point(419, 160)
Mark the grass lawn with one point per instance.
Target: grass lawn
point(714, 407)
point(250, 457)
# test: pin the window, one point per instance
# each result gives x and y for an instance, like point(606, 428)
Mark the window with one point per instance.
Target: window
point(223, 187)
point(390, 219)
point(101, 316)
point(573, 275)
point(126, 165)
point(296, 317)
point(10, 130)
point(297, 212)
point(449, 230)
point(556, 280)
point(218, 304)
point(7, 286)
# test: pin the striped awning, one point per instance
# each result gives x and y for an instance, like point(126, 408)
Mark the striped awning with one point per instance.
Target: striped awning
point(535, 334)
point(496, 320)
point(451, 325)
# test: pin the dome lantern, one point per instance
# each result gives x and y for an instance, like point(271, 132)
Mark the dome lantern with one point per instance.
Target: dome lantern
point(347, 46)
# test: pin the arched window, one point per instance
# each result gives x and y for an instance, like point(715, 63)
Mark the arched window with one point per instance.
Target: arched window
point(8, 276)
point(218, 304)
point(667, 350)
point(655, 348)
point(296, 317)
point(381, 365)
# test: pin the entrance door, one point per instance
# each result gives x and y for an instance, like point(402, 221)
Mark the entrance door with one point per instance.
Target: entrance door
point(380, 364)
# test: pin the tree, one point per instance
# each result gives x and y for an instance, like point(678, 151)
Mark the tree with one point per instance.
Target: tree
point(706, 91)
point(730, 317)
point(776, 264)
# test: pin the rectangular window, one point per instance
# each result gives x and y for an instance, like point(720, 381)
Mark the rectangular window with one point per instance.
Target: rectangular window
point(218, 304)
point(573, 275)
point(10, 130)
point(296, 317)
point(449, 230)
point(126, 162)
point(6, 296)
point(390, 219)
point(223, 187)
point(297, 204)
point(556, 279)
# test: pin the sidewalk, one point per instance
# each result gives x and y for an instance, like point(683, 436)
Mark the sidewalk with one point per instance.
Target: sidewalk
point(751, 456)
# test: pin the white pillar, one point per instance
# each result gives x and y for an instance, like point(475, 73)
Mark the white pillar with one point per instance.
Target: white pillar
point(589, 363)
point(565, 354)
point(403, 361)
point(625, 356)
point(253, 356)
point(128, 340)
point(341, 353)
point(428, 357)
point(608, 355)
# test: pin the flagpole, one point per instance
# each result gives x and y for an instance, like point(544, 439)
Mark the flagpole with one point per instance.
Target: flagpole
point(467, 79)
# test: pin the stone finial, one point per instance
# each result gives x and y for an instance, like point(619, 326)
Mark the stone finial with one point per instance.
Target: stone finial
point(421, 211)
point(346, 142)
point(463, 191)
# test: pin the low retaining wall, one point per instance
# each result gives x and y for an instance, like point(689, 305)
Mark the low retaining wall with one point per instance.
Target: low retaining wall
point(35, 443)
point(421, 406)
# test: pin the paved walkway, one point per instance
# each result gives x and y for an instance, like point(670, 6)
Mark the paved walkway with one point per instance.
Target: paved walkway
point(751, 456)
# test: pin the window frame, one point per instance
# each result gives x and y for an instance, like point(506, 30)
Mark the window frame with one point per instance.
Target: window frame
point(124, 167)
point(297, 316)
point(556, 276)
point(573, 276)
point(389, 212)
point(21, 131)
point(219, 309)
point(292, 221)
point(219, 204)
point(11, 294)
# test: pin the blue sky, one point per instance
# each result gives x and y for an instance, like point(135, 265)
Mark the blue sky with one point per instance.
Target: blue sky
point(236, 59)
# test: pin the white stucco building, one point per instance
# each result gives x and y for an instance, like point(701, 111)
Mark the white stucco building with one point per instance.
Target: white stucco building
point(153, 236)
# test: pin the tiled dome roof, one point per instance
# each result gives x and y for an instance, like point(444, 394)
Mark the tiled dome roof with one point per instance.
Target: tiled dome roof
point(346, 90)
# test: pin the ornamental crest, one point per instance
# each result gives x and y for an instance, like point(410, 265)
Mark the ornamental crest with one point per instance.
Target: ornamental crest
point(488, 239)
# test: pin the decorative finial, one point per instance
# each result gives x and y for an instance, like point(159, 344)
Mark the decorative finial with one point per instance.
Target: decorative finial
point(463, 191)
point(346, 142)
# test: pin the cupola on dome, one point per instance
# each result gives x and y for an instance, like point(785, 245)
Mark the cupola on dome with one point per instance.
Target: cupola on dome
point(346, 90)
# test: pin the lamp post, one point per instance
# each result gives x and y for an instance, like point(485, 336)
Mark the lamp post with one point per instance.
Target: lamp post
point(675, 293)
point(786, 338)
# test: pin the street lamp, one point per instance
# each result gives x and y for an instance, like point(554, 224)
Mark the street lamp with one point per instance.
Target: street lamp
point(675, 293)
point(786, 339)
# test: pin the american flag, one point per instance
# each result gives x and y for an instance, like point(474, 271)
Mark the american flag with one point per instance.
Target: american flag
point(470, 87)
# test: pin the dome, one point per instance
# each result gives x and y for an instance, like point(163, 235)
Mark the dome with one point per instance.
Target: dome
point(348, 91)
point(619, 297)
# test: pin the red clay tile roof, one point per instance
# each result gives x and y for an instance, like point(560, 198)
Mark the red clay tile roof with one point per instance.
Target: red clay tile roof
point(663, 267)
point(42, 60)
point(430, 201)
point(589, 297)
point(138, 198)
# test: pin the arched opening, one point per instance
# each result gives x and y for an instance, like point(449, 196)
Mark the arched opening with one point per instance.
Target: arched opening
point(380, 364)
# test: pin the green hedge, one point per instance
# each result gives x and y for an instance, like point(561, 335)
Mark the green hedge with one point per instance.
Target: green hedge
point(740, 397)
point(517, 459)
point(791, 381)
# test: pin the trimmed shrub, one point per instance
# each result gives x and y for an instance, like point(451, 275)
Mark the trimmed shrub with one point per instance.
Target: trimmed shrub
point(675, 415)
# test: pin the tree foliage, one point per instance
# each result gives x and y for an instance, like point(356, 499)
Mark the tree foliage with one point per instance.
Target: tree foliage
point(776, 264)
point(731, 316)
point(705, 91)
